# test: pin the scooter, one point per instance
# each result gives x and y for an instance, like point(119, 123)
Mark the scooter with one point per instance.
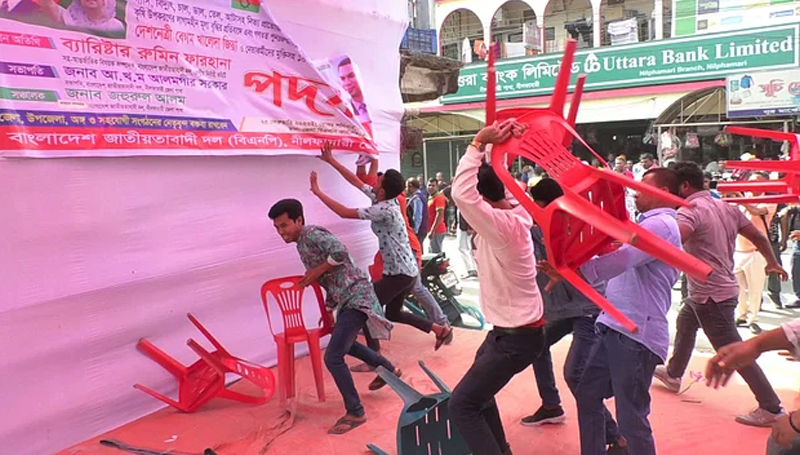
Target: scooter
point(440, 280)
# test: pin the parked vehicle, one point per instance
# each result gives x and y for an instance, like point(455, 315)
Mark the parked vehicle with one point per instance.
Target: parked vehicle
point(440, 280)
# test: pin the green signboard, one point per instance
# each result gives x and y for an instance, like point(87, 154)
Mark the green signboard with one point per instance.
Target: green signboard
point(653, 62)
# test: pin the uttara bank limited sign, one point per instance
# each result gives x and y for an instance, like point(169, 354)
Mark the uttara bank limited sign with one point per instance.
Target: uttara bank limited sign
point(694, 58)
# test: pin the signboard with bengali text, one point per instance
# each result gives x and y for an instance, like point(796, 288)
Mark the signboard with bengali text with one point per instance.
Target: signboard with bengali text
point(761, 94)
point(676, 60)
point(162, 77)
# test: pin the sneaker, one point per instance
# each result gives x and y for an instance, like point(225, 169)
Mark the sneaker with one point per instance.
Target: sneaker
point(759, 417)
point(672, 384)
point(741, 322)
point(364, 159)
point(545, 416)
point(755, 329)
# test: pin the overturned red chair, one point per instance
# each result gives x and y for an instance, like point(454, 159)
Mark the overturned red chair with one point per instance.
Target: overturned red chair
point(204, 380)
point(289, 299)
point(784, 190)
point(591, 214)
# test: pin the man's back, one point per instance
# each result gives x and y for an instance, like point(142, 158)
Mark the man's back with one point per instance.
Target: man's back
point(712, 226)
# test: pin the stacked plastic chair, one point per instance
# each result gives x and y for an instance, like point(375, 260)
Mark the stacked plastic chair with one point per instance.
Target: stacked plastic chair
point(781, 191)
point(289, 298)
point(204, 380)
point(424, 427)
point(591, 215)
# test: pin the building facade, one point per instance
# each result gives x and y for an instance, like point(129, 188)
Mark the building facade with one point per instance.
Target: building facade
point(656, 71)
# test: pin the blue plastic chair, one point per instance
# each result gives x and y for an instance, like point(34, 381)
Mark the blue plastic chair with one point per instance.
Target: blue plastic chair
point(424, 427)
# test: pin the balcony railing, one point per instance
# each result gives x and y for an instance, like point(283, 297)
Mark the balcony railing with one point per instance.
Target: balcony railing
point(418, 40)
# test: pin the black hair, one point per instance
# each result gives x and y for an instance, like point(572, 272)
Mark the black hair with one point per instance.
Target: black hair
point(291, 207)
point(646, 156)
point(665, 177)
point(689, 172)
point(345, 61)
point(393, 183)
point(489, 184)
point(708, 175)
point(433, 181)
point(414, 183)
point(547, 191)
point(538, 170)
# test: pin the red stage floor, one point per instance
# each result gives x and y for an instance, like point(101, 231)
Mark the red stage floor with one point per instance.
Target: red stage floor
point(697, 422)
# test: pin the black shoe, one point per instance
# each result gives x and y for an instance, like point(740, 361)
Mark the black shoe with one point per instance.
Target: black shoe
point(544, 416)
point(755, 329)
point(615, 449)
point(741, 323)
point(794, 305)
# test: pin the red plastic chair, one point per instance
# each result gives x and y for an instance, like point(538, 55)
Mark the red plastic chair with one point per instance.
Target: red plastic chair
point(785, 190)
point(289, 298)
point(591, 214)
point(204, 380)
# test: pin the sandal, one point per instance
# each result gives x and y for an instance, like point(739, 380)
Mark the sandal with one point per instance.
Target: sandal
point(447, 338)
point(362, 368)
point(345, 424)
point(378, 382)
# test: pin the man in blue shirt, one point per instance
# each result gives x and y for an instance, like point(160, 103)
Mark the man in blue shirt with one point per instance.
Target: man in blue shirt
point(622, 363)
point(417, 208)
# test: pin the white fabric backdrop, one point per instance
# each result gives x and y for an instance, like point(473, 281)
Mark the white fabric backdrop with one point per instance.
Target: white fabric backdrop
point(96, 253)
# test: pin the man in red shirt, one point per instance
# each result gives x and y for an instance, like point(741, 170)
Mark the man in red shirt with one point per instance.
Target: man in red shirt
point(437, 204)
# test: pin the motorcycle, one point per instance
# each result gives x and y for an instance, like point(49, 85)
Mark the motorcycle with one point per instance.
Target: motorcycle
point(440, 280)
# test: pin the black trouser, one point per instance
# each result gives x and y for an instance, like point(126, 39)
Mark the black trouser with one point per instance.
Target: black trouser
point(392, 291)
point(473, 408)
point(717, 321)
point(773, 280)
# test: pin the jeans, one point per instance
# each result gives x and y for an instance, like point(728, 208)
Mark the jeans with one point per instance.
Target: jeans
point(343, 341)
point(428, 302)
point(584, 337)
point(392, 291)
point(472, 405)
point(774, 449)
point(436, 243)
point(774, 281)
point(465, 248)
point(623, 368)
point(796, 270)
point(717, 321)
point(749, 270)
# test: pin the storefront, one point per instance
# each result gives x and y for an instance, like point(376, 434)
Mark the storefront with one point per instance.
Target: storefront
point(633, 94)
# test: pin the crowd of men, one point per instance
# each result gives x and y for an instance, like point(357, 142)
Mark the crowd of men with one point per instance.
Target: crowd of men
point(531, 307)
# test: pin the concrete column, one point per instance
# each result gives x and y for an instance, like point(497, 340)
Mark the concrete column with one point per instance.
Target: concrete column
point(658, 18)
point(596, 24)
point(542, 41)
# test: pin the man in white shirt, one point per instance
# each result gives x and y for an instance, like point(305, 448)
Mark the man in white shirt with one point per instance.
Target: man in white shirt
point(785, 439)
point(646, 162)
point(509, 296)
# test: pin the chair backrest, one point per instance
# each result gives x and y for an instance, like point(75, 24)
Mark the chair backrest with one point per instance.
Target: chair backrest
point(289, 298)
point(433, 433)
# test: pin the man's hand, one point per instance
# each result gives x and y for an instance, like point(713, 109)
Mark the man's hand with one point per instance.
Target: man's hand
point(794, 235)
point(499, 133)
point(782, 431)
point(326, 152)
point(310, 277)
point(549, 270)
point(314, 183)
point(729, 359)
point(783, 245)
point(777, 269)
point(327, 316)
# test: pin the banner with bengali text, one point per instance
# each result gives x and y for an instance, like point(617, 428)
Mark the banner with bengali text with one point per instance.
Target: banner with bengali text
point(112, 78)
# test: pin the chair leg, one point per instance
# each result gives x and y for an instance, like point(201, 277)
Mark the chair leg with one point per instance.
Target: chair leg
point(283, 371)
point(160, 397)
point(315, 353)
point(162, 358)
point(291, 370)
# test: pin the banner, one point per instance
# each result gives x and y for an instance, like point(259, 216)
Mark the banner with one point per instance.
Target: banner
point(773, 93)
point(162, 77)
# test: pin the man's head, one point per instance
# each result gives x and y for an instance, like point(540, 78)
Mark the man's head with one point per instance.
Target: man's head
point(349, 81)
point(690, 178)
point(489, 184)
point(440, 176)
point(629, 165)
point(758, 176)
point(412, 186)
point(287, 217)
point(545, 192)
point(661, 178)
point(647, 160)
point(706, 180)
point(390, 185)
point(538, 171)
point(526, 169)
point(433, 186)
point(619, 164)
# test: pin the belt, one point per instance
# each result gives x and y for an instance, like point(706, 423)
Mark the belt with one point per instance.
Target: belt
point(521, 330)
